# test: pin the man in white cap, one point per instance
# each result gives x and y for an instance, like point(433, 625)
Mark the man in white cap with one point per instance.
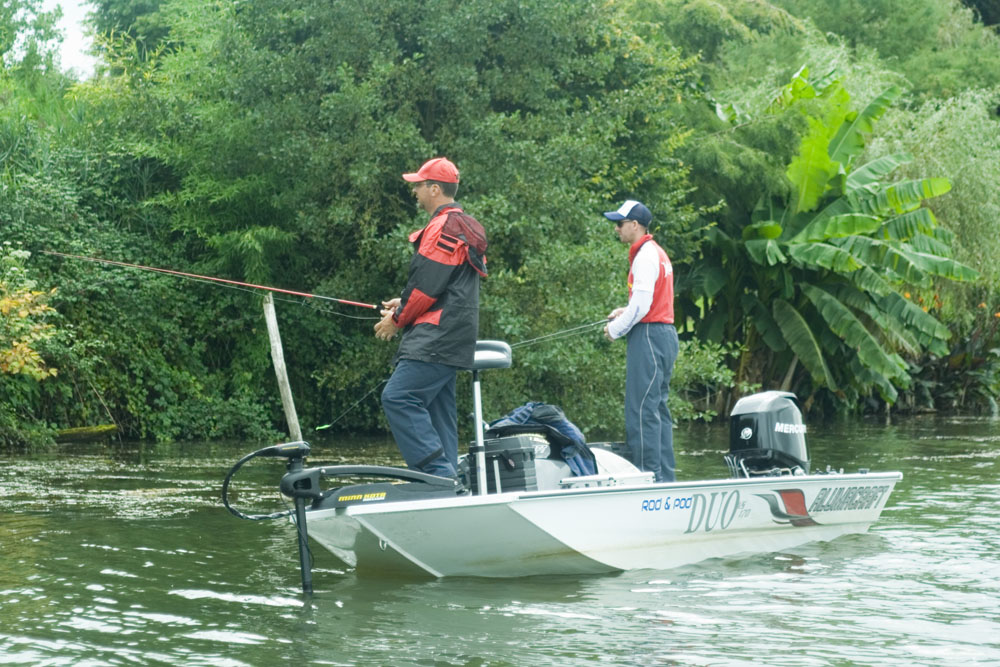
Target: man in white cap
point(438, 312)
point(647, 322)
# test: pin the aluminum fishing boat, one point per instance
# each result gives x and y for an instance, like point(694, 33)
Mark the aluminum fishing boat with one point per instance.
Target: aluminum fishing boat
point(520, 510)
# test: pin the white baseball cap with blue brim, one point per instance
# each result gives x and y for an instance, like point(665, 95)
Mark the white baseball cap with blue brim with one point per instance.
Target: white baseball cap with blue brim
point(631, 210)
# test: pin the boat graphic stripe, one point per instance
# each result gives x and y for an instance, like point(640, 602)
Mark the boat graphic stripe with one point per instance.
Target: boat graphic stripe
point(795, 503)
point(789, 506)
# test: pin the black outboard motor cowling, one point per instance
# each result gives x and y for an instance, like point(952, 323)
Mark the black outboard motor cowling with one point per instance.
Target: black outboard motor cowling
point(767, 436)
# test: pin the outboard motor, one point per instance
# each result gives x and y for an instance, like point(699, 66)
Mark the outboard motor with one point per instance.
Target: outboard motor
point(767, 436)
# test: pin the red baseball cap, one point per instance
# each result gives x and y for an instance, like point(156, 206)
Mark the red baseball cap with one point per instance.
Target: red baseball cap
point(439, 169)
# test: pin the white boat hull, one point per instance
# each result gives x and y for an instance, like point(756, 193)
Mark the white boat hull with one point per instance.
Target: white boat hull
point(602, 529)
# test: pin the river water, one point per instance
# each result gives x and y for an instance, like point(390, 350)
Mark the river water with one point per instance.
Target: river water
point(123, 554)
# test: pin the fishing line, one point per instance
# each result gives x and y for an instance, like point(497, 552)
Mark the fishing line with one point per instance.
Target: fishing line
point(299, 302)
point(356, 404)
point(564, 333)
point(328, 311)
point(557, 335)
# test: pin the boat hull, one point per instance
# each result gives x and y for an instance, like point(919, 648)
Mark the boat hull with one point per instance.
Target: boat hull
point(603, 529)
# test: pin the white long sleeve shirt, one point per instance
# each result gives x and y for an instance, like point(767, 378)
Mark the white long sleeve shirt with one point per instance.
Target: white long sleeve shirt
point(645, 271)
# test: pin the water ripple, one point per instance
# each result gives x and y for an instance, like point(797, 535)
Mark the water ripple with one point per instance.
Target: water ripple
point(112, 559)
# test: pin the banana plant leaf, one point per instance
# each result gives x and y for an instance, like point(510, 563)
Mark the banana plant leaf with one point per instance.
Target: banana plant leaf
point(767, 229)
point(898, 197)
point(717, 238)
point(865, 377)
point(711, 280)
point(800, 338)
point(850, 138)
point(909, 225)
point(887, 257)
point(849, 328)
point(931, 332)
point(768, 209)
point(837, 226)
point(765, 252)
point(811, 170)
point(874, 171)
point(713, 326)
point(944, 267)
point(826, 256)
point(797, 89)
point(895, 333)
point(764, 323)
point(870, 282)
point(930, 245)
point(945, 236)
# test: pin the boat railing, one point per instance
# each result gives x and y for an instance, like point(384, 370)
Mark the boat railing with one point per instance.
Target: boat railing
point(614, 479)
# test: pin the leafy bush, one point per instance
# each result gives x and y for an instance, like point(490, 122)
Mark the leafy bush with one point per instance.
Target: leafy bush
point(703, 385)
point(24, 331)
point(264, 141)
point(959, 136)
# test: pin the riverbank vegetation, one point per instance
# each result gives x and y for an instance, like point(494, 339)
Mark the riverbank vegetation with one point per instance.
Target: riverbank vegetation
point(821, 174)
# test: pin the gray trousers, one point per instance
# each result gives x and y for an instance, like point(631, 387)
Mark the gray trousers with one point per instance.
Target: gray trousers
point(652, 350)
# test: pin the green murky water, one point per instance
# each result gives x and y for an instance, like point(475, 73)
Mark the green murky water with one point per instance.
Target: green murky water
point(118, 555)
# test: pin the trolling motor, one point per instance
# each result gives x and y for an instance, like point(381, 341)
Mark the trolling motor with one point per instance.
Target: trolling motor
point(303, 484)
point(299, 489)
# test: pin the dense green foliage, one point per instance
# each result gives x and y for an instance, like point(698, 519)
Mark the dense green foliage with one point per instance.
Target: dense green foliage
point(257, 148)
point(264, 141)
point(817, 276)
point(936, 44)
point(27, 33)
point(24, 332)
point(961, 137)
point(739, 155)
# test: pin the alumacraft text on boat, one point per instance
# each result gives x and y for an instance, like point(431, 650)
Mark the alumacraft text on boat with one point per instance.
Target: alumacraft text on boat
point(847, 498)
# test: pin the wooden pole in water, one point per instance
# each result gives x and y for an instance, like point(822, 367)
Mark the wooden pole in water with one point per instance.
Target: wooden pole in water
point(278, 357)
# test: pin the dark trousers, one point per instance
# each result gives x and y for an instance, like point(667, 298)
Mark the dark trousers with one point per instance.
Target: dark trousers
point(652, 350)
point(419, 403)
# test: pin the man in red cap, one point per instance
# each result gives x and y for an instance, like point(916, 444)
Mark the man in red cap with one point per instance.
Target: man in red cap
point(438, 312)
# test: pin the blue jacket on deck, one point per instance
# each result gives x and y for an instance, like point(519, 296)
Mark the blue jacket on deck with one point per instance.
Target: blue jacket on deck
point(572, 445)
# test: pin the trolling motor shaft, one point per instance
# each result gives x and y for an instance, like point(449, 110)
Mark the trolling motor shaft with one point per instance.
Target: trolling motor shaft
point(305, 564)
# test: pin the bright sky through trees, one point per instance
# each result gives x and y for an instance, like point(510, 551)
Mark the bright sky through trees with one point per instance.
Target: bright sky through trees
point(73, 52)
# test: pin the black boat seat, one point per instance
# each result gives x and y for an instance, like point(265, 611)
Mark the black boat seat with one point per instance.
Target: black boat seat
point(491, 354)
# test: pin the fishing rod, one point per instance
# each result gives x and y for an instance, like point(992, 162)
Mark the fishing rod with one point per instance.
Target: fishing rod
point(225, 281)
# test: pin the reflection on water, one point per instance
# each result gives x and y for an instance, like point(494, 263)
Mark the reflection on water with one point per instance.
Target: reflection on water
point(124, 555)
